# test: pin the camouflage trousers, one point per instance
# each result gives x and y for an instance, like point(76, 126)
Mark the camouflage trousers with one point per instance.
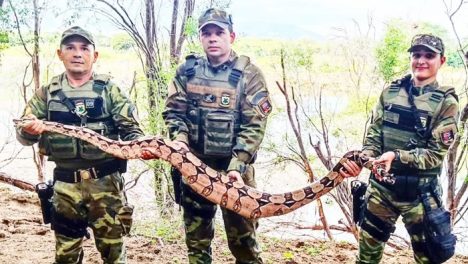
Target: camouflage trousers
point(96, 203)
point(199, 228)
point(382, 204)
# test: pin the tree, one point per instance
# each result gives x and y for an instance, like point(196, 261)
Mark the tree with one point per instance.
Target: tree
point(391, 53)
point(187, 22)
point(457, 202)
point(21, 13)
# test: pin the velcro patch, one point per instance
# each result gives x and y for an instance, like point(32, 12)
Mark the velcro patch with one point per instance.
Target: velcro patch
point(447, 137)
point(89, 103)
point(265, 106)
point(391, 117)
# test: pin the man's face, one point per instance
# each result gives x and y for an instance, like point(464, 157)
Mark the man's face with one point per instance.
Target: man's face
point(216, 42)
point(77, 55)
point(425, 64)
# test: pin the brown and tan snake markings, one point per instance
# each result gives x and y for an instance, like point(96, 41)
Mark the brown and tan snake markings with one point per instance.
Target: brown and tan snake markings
point(214, 186)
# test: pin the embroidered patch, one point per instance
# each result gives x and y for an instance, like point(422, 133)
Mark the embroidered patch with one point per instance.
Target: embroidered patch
point(89, 103)
point(209, 98)
point(423, 121)
point(447, 137)
point(80, 108)
point(225, 100)
point(265, 106)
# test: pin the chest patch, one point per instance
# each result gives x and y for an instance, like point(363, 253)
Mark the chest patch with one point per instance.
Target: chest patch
point(80, 107)
point(391, 117)
point(225, 100)
point(89, 103)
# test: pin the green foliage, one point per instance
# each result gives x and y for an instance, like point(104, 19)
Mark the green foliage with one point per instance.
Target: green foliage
point(315, 251)
point(191, 27)
point(454, 60)
point(288, 255)
point(391, 53)
point(361, 105)
point(166, 229)
point(122, 42)
point(4, 41)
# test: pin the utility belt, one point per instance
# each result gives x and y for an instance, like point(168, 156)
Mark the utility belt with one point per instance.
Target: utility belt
point(96, 172)
point(408, 188)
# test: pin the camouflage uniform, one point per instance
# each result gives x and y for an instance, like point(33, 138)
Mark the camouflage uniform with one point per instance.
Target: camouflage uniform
point(88, 185)
point(221, 113)
point(418, 161)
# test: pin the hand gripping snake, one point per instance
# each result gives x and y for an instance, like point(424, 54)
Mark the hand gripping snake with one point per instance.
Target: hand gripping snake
point(211, 184)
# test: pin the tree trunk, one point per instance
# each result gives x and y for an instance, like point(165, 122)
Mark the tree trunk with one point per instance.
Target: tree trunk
point(17, 183)
point(453, 199)
point(173, 32)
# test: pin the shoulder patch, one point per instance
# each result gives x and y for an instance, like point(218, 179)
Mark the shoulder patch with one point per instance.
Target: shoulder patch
point(447, 134)
point(265, 106)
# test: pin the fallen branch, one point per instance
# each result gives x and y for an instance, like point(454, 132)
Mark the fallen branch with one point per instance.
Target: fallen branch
point(17, 183)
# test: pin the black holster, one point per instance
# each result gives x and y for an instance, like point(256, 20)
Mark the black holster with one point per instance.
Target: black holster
point(45, 190)
point(358, 190)
point(122, 166)
point(440, 242)
point(177, 183)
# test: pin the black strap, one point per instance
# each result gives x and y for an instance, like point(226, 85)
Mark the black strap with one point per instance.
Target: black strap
point(71, 106)
point(238, 69)
point(66, 101)
point(190, 62)
point(423, 132)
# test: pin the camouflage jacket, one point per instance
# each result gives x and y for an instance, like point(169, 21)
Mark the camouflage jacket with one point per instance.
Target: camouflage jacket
point(429, 153)
point(121, 112)
point(255, 105)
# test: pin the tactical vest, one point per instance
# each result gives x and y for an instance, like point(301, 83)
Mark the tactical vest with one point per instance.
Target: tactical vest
point(214, 102)
point(94, 101)
point(399, 123)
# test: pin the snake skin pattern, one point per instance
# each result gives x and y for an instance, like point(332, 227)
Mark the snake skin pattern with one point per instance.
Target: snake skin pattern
point(211, 184)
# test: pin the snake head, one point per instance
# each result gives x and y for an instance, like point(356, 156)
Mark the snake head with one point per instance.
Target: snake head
point(379, 170)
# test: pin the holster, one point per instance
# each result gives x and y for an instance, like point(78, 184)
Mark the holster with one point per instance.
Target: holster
point(122, 166)
point(177, 184)
point(440, 242)
point(358, 190)
point(45, 190)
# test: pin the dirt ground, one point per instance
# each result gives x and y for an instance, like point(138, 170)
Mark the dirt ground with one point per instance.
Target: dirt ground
point(23, 239)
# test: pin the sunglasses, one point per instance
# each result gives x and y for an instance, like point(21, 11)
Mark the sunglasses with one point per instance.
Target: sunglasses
point(426, 55)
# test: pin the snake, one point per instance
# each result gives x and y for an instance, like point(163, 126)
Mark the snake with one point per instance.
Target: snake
point(209, 183)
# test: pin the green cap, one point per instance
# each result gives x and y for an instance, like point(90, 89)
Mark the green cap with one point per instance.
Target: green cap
point(217, 17)
point(77, 31)
point(429, 41)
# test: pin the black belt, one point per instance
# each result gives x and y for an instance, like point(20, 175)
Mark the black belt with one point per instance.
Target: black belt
point(74, 176)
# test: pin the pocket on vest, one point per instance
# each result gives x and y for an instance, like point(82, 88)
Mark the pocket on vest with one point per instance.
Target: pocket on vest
point(59, 146)
point(219, 134)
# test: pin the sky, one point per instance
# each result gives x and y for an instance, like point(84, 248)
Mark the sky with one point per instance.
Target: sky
point(318, 19)
point(313, 19)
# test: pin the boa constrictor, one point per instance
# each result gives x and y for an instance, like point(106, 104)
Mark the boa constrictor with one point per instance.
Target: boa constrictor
point(211, 184)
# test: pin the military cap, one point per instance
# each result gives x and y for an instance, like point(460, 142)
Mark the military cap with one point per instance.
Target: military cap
point(429, 41)
point(217, 17)
point(77, 31)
